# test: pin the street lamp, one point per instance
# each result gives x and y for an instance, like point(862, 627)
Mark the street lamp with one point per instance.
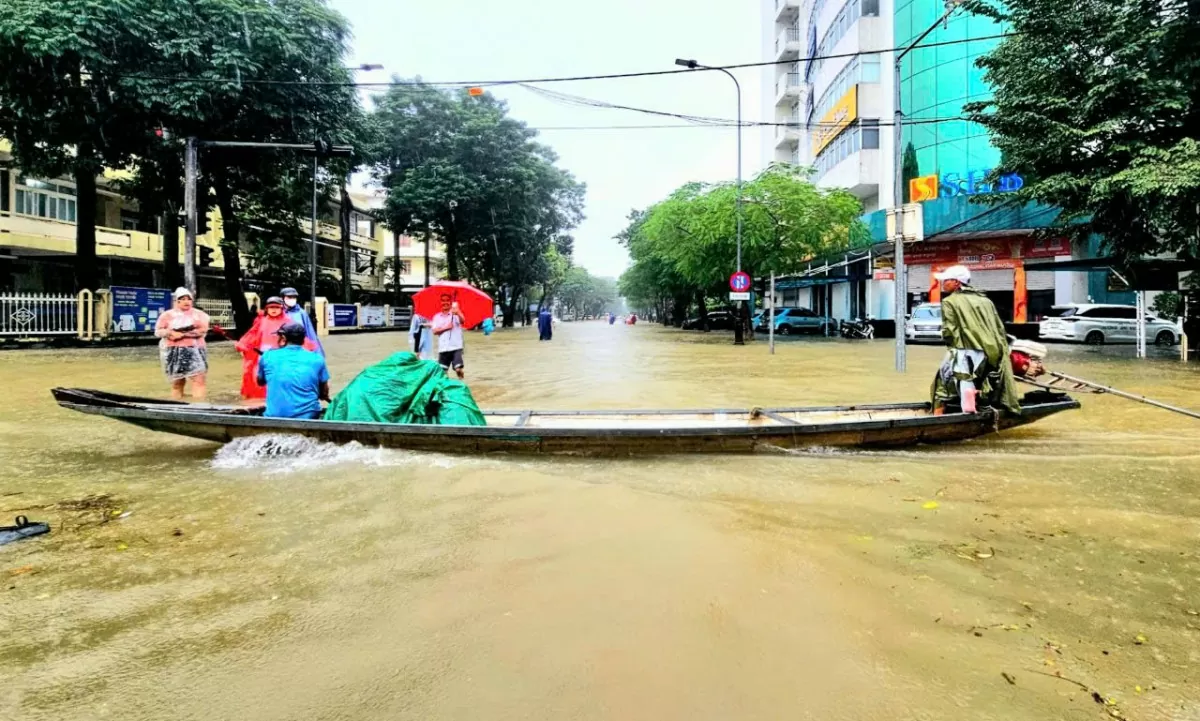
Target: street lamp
point(901, 275)
point(738, 328)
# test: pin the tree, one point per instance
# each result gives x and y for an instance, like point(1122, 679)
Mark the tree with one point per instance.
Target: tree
point(1097, 110)
point(65, 104)
point(911, 167)
point(689, 239)
point(457, 166)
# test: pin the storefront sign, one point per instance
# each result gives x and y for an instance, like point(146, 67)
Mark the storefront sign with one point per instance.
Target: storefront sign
point(372, 316)
point(840, 116)
point(343, 315)
point(884, 274)
point(136, 310)
point(950, 185)
point(984, 254)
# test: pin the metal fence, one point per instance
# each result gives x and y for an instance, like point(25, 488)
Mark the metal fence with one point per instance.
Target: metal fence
point(220, 312)
point(36, 314)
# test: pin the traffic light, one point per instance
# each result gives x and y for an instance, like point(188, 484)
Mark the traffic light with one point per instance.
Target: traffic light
point(206, 256)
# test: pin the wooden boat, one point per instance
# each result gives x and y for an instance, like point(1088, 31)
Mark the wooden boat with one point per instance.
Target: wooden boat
point(589, 432)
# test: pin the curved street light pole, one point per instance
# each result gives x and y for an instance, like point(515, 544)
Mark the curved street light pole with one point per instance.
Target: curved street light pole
point(738, 328)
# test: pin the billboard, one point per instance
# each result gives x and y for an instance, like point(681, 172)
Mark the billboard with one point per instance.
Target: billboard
point(840, 116)
point(136, 310)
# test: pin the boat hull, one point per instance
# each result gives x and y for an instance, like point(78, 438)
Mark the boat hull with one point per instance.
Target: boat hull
point(588, 432)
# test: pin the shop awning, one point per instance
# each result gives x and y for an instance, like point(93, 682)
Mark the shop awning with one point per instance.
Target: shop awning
point(1143, 274)
point(819, 280)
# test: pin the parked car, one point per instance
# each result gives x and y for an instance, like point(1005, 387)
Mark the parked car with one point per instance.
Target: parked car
point(1095, 324)
point(717, 320)
point(925, 323)
point(796, 320)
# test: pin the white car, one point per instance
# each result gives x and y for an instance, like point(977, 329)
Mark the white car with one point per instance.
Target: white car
point(1095, 324)
point(925, 323)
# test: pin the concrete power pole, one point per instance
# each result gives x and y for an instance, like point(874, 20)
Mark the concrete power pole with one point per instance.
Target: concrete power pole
point(190, 173)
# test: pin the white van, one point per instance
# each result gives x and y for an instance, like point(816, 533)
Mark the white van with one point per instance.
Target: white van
point(1096, 324)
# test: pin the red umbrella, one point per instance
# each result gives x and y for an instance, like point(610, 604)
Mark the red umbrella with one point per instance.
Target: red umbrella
point(473, 302)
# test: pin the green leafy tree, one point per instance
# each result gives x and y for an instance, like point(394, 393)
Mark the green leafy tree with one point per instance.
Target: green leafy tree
point(1097, 110)
point(911, 167)
point(64, 103)
point(458, 167)
point(787, 221)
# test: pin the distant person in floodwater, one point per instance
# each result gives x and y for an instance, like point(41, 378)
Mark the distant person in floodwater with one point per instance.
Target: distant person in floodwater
point(296, 314)
point(545, 324)
point(420, 337)
point(488, 325)
point(296, 379)
point(448, 327)
point(182, 349)
point(612, 318)
point(258, 340)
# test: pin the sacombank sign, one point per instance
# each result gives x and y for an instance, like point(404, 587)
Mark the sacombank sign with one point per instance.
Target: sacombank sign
point(949, 185)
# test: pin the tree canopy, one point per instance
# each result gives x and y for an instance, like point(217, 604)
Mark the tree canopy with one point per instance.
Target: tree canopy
point(459, 167)
point(1096, 108)
point(685, 248)
point(87, 83)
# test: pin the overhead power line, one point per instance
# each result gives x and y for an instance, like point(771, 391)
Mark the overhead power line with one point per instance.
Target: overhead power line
point(524, 81)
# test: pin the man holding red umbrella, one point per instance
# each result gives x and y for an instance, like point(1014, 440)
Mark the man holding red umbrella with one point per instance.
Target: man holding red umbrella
point(448, 327)
point(454, 307)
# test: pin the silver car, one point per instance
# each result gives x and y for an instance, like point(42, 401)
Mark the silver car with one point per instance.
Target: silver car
point(925, 323)
point(1096, 324)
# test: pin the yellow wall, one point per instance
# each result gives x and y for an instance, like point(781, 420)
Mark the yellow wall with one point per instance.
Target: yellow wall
point(55, 237)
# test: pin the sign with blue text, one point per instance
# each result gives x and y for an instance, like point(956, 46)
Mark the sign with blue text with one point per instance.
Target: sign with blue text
point(136, 310)
point(343, 315)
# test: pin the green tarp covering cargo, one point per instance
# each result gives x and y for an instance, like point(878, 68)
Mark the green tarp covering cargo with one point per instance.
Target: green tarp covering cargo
point(405, 389)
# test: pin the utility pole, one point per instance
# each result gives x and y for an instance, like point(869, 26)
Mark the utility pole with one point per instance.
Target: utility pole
point(739, 330)
point(190, 171)
point(901, 296)
point(312, 250)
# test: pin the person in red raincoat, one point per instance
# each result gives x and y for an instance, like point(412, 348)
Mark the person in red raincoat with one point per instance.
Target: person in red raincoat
point(258, 340)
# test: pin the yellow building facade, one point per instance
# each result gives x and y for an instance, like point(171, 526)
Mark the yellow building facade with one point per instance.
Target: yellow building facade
point(37, 241)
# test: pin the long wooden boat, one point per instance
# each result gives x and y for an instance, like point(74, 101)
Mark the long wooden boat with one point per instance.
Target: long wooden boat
point(589, 432)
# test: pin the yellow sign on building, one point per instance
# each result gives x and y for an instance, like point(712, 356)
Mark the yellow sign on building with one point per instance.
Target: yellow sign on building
point(923, 188)
point(840, 116)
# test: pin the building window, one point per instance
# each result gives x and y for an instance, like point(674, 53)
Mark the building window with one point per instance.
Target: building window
point(860, 69)
point(406, 241)
point(4, 182)
point(45, 204)
point(863, 135)
point(870, 134)
point(406, 267)
point(845, 19)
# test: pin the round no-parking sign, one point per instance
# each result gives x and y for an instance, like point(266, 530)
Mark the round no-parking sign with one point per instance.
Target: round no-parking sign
point(739, 282)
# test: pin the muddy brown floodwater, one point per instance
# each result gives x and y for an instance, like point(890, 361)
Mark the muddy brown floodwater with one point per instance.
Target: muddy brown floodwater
point(187, 581)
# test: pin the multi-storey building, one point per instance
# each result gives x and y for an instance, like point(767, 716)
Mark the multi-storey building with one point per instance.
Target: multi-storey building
point(828, 92)
point(831, 88)
point(37, 241)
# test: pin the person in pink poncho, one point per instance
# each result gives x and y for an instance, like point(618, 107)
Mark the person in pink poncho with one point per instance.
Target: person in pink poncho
point(262, 337)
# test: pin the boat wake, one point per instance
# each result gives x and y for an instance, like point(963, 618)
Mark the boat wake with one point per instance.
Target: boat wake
point(281, 454)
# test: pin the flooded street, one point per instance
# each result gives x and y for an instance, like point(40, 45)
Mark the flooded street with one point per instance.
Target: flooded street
point(187, 581)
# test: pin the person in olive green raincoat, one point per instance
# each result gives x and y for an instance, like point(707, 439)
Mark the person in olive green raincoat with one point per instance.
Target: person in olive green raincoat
point(978, 347)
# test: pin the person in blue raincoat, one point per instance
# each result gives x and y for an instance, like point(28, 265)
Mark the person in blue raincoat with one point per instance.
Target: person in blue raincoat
point(296, 313)
point(545, 325)
point(612, 318)
point(420, 337)
point(488, 325)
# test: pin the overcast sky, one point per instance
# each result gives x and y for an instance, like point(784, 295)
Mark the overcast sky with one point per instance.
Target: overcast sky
point(447, 40)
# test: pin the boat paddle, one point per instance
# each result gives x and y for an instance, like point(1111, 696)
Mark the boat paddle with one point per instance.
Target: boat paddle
point(1072, 383)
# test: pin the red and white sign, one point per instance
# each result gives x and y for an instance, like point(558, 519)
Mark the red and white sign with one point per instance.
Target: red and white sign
point(739, 282)
point(888, 274)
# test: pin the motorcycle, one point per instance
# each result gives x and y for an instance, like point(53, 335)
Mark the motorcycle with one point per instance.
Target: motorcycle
point(858, 329)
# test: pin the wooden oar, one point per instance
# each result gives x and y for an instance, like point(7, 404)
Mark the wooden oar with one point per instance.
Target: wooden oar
point(1089, 386)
